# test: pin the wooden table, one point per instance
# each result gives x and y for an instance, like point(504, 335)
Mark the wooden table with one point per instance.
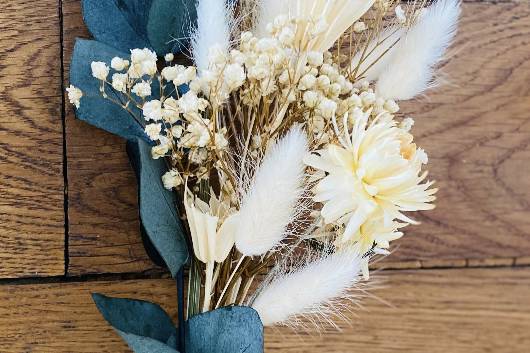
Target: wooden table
point(68, 213)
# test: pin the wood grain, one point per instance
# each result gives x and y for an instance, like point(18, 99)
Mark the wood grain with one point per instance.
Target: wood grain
point(62, 317)
point(458, 310)
point(31, 141)
point(475, 128)
point(103, 211)
point(435, 311)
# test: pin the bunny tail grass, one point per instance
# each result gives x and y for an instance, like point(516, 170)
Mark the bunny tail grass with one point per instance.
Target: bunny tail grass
point(315, 291)
point(411, 67)
point(214, 22)
point(270, 202)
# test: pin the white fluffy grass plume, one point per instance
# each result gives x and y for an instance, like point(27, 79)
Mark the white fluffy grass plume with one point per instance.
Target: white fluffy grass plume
point(214, 21)
point(313, 292)
point(413, 59)
point(269, 204)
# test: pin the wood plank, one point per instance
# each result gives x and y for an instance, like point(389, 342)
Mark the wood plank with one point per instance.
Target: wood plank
point(31, 141)
point(62, 317)
point(437, 311)
point(476, 130)
point(103, 210)
point(454, 310)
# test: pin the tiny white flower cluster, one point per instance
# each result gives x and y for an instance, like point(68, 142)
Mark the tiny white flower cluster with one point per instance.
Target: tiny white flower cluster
point(179, 126)
point(225, 74)
point(74, 95)
point(100, 70)
point(177, 123)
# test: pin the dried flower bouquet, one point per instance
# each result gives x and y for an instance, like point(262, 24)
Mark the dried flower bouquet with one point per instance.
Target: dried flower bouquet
point(276, 154)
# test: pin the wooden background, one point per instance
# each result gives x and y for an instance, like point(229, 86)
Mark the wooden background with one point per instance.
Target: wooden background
point(460, 282)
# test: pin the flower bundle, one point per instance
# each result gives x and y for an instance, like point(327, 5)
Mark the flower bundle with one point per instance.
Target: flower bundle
point(285, 162)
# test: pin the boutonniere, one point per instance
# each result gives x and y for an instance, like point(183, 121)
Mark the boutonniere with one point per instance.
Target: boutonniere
point(272, 160)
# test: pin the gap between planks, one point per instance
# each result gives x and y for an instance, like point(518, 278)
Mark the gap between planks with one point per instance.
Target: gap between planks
point(384, 267)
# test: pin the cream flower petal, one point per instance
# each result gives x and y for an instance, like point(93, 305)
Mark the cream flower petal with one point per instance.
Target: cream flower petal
point(360, 216)
point(209, 243)
point(335, 185)
point(319, 162)
point(335, 208)
point(375, 172)
point(225, 238)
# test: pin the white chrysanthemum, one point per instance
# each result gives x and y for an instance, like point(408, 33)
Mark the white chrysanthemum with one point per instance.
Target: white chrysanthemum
point(372, 237)
point(376, 168)
point(374, 234)
point(74, 95)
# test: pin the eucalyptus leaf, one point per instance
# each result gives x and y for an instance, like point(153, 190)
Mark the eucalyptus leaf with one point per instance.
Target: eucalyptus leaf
point(150, 248)
point(169, 24)
point(138, 319)
point(95, 109)
point(158, 206)
point(141, 344)
point(233, 329)
point(119, 23)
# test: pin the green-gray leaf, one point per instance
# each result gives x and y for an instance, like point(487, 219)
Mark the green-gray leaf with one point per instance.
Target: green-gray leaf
point(129, 24)
point(95, 109)
point(158, 212)
point(137, 319)
point(234, 329)
point(141, 344)
point(169, 24)
point(119, 23)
